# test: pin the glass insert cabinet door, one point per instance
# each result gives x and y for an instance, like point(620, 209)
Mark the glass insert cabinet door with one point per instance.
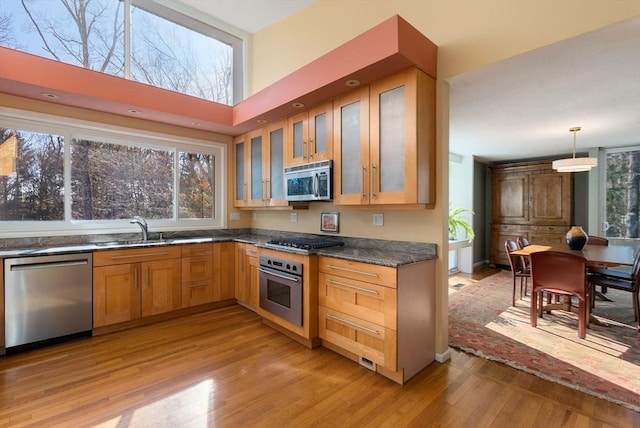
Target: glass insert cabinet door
point(310, 135)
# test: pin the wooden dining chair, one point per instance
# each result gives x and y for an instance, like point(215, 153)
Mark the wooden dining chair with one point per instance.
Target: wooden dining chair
point(560, 274)
point(518, 269)
point(620, 280)
point(522, 242)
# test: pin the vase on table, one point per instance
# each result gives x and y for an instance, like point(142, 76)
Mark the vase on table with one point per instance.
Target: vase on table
point(576, 238)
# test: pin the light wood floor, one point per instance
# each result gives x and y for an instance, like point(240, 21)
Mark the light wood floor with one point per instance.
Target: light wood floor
point(225, 368)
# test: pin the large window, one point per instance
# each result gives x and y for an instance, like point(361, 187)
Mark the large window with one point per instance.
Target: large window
point(143, 40)
point(622, 194)
point(59, 175)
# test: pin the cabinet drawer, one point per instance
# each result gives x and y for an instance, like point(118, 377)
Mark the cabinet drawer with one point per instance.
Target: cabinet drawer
point(363, 338)
point(370, 302)
point(375, 274)
point(116, 257)
point(197, 268)
point(197, 292)
point(197, 250)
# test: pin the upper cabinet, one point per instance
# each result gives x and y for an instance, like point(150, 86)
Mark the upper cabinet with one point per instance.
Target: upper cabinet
point(384, 142)
point(310, 136)
point(259, 167)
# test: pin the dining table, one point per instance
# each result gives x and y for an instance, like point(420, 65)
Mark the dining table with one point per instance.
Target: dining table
point(602, 256)
point(596, 256)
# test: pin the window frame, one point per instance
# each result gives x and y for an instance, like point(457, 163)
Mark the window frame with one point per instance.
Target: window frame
point(185, 16)
point(76, 128)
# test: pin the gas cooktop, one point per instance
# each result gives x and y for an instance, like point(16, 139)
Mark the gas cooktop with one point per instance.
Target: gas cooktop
point(305, 243)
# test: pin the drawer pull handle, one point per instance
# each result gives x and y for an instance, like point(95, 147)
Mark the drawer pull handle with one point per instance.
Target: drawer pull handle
point(359, 272)
point(352, 324)
point(198, 259)
point(199, 285)
point(140, 255)
point(197, 252)
point(342, 284)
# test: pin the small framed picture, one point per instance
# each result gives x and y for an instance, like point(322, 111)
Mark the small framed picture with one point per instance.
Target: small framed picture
point(329, 222)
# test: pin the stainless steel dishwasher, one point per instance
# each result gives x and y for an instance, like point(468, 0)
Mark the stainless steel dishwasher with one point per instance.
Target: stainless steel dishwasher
point(47, 297)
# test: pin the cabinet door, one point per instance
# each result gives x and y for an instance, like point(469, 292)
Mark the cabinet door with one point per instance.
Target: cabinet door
point(253, 281)
point(510, 198)
point(241, 274)
point(256, 188)
point(351, 148)
point(393, 166)
point(161, 286)
point(298, 139)
point(274, 165)
point(223, 271)
point(116, 294)
point(240, 198)
point(499, 234)
point(320, 128)
point(550, 198)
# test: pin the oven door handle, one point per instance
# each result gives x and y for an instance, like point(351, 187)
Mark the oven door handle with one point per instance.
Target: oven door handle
point(279, 275)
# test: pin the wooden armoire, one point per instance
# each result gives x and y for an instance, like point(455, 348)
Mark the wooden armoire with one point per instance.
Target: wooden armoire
point(530, 200)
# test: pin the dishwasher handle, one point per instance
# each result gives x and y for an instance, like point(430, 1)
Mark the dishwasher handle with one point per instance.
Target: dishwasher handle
point(48, 265)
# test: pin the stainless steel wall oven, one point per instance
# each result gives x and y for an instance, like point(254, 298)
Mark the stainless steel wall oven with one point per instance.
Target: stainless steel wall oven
point(281, 288)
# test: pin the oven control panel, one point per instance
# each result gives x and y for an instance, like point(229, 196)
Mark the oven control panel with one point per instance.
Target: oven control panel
point(282, 265)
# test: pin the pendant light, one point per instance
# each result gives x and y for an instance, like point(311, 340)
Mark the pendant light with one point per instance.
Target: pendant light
point(574, 164)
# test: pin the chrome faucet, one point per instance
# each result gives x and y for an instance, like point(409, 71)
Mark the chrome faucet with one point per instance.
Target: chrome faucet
point(143, 225)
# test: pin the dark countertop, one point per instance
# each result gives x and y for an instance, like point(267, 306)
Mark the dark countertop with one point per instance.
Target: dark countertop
point(379, 252)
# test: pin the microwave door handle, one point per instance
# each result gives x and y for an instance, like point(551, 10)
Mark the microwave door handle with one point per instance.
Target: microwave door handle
point(316, 184)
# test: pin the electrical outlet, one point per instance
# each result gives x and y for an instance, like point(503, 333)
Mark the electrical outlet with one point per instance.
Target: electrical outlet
point(294, 217)
point(234, 216)
point(378, 219)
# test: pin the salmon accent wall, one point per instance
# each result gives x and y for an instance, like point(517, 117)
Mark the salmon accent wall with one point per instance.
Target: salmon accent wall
point(389, 47)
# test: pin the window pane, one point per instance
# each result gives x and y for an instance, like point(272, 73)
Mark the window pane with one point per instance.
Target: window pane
point(31, 176)
point(196, 185)
point(112, 181)
point(622, 194)
point(90, 37)
point(173, 57)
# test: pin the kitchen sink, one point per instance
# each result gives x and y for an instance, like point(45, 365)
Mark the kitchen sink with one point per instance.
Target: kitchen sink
point(133, 243)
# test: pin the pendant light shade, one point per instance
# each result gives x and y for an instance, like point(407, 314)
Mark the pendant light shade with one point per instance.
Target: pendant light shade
point(574, 164)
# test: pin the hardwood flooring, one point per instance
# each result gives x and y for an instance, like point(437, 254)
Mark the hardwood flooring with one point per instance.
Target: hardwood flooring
point(225, 368)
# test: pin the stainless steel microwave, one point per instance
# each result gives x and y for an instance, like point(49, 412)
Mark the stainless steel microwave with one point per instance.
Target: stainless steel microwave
point(308, 182)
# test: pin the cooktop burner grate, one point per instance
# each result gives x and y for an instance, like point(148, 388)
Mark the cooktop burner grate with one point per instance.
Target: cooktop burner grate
point(306, 243)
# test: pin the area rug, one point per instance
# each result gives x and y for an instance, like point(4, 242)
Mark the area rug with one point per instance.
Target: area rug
point(605, 364)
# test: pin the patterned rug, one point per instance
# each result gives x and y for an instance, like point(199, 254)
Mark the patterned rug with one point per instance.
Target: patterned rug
point(605, 364)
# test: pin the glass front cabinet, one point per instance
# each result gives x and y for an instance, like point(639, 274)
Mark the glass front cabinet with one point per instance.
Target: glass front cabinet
point(384, 142)
point(310, 135)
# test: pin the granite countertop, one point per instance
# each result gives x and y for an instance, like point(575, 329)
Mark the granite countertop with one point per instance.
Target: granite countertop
point(379, 252)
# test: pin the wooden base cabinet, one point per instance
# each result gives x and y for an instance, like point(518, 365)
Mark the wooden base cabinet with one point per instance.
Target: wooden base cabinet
point(197, 274)
point(381, 314)
point(134, 283)
point(246, 275)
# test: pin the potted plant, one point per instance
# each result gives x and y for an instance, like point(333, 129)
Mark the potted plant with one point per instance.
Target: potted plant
point(458, 221)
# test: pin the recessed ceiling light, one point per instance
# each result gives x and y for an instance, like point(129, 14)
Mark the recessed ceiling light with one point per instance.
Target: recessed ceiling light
point(352, 82)
point(133, 111)
point(196, 123)
point(261, 121)
point(297, 105)
point(50, 95)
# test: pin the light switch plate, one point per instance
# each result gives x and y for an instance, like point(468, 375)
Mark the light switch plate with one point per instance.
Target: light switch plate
point(294, 217)
point(378, 219)
point(234, 216)
point(255, 216)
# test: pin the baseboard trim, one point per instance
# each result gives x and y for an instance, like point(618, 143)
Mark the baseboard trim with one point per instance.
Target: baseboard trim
point(443, 357)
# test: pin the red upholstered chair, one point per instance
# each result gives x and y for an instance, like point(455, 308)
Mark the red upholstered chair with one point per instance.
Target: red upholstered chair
point(561, 274)
point(621, 280)
point(519, 269)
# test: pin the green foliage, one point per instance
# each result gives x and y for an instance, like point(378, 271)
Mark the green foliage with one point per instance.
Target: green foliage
point(458, 221)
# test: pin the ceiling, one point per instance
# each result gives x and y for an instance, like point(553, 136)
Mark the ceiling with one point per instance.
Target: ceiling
point(521, 107)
